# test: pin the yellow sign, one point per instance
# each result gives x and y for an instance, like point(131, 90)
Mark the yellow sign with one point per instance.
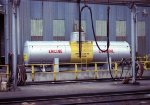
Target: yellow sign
point(86, 52)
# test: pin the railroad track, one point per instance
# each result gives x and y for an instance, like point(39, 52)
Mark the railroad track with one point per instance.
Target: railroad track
point(139, 97)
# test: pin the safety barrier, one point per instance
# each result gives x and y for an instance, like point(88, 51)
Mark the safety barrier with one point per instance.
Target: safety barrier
point(115, 69)
point(146, 65)
point(145, 61)
point(77, 68)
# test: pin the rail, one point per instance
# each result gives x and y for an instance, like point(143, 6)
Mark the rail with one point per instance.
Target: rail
point(138, 97)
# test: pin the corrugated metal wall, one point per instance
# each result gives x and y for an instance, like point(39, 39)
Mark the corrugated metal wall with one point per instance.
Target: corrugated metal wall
point(25, 22)
point(49, 11)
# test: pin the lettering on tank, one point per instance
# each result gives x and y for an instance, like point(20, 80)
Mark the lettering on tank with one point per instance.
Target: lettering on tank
point(55, 51)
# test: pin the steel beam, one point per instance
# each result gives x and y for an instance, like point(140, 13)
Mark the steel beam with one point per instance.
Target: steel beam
point(133, 44)
point(111, 2)
point(6, 26)
point(14, 50)
point(18, 31)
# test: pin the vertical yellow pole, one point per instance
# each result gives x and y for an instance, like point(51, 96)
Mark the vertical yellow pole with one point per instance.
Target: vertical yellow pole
point(116, 69)
point(145, 62)
point(76, 71)
point(7, 72)
point(54, 72)
point(86, 62)
point(32, 68)
point(146, 57)
point(145, 67)
point(96, 71)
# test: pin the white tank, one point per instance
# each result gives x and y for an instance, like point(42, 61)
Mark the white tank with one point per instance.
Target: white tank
point(37, 52)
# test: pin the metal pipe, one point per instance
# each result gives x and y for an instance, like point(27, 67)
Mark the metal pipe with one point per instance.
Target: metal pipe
point(133, 44)
point(135, 23)
point(80, 46)
point(14, 47)
point(135, 29)
point(18, 31)
point(6, 26)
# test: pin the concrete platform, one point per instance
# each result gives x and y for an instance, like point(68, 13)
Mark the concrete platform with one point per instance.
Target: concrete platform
point(53, 90)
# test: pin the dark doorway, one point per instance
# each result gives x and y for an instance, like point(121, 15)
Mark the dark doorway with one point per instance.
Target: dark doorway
point(2, 47)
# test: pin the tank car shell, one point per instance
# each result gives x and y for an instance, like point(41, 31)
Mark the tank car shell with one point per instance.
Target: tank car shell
point(45, 51)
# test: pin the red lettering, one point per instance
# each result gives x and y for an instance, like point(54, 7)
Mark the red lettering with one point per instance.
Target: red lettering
point(55, 51)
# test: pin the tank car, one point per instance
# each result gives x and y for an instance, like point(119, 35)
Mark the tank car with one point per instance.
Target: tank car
point(39, 52)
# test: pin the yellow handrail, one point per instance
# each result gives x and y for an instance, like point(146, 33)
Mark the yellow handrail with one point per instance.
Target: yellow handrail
point(7, 71)
point(54, 72)
point(96, 71)
point(32, 69)
point(76, 71)
point(116, 69)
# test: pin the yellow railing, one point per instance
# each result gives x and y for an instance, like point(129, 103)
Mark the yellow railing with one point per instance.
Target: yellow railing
point(75, 70)
point(5, 73)
point(146, 65)
point(145, 61)
point(96, 70)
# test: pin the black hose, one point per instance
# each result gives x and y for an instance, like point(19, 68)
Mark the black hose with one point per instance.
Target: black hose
point(89, 8)
point(108, 41)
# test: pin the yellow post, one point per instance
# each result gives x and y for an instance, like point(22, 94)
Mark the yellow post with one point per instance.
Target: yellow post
point(96, 71)
point(7, 72)
point(145, 67)
point(86, 63)
point(32, 68)
point(54, 72)
point(76, 71)
point(116, 69)
point(146, 57)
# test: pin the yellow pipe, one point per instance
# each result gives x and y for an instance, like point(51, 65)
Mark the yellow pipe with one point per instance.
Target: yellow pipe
point(32, 68)
point(7, 72)
point(54, 72)
point(76, 71)
point(146, 56)
point(96, 71)
point(116, 69)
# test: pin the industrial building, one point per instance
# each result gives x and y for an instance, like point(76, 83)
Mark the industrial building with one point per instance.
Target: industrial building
point(85, 47)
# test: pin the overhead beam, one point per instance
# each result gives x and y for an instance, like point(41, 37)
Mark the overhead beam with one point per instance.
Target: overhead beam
point(105, 2)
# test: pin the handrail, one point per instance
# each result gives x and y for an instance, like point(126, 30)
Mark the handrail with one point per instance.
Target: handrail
point(76, 70)
point(7, 71)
